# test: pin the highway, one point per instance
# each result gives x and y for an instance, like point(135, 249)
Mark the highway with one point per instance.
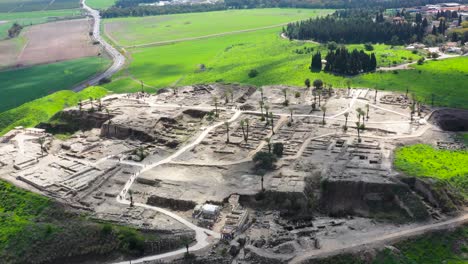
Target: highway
point(117, 57)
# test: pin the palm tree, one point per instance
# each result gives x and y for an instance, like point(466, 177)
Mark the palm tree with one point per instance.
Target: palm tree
point(261, 93)
point(375, 97)
point(360, 113)
point(348, 84)
point(242, 124)
point(215, 101)
point(226, 124)
point(80, 105)
point(41, 141)
point(324, 110)
point(142, 87)
point(272, 123)
point(267, 107)
point(261, 108)
point(226, 97)
point(231, 93)
point(412, 111)
point(318, 84)
point(319, 98)
point(330, 90)
point(291, 111)
point(130, 192)
point(247, 124)
point(367, 111)
point(91, 103)
point(358, 127)
point(99, 104)
point(346, 115)
point(285, 94)
point(268, 141)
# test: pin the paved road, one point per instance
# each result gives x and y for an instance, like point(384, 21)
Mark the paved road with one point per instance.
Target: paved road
point(117, 57)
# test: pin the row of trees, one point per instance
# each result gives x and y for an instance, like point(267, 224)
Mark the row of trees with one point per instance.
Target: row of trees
point(355, 29)
point(115, 11)
point(14, 30)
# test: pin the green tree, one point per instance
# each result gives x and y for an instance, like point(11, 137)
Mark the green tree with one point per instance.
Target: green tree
point(307, 83)
point(278, 149)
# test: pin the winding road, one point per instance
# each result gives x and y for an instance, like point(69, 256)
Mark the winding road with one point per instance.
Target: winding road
point(117, 58)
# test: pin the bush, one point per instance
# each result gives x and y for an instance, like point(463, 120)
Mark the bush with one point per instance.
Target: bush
point(264, 161)
point(278, 149)
point(297, 94)
point(369, 47)
point(253, 73)
point(105, 80)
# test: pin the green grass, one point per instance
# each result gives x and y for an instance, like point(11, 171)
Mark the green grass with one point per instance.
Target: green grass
point(100, 4)
point(229, 59)
point(35, 229)
point(141, 30)
point(10, 6)
point(447, 79)
point(23, 85)
point(425, 161)
point(32, 18)
point(41, 110)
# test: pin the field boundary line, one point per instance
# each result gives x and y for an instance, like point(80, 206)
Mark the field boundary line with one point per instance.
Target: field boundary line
point(166, 42)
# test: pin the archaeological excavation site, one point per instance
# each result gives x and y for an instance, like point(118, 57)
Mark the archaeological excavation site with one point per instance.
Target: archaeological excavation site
point(249, 175)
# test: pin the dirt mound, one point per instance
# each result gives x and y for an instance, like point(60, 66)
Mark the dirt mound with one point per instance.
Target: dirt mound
point(451, 119)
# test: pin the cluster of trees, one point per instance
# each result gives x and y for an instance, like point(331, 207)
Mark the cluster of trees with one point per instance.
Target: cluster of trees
point(342, 61)
point(132, 7)
point(159, 10)
point(356, 28)
point(14, 30)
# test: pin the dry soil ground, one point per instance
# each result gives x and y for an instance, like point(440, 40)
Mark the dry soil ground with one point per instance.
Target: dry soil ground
point(49, 42)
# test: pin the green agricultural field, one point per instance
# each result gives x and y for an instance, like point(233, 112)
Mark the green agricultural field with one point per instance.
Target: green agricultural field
point(426, 161)
point(100, 4)
point(23, 85)
point(447, 79)
point(32, 18)
point(141, 30)
point(9, 6)
point(41, 110)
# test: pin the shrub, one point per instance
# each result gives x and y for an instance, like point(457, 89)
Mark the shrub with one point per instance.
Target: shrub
point(278, 149)
point(368, 46)
point(253, 73)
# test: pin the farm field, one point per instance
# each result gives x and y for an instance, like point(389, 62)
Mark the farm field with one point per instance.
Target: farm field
point(425, 161)
point(32, 18)
point(100, 4)
point(23, 85)
point(49, 42)
point(9, 6)
point(143, 30)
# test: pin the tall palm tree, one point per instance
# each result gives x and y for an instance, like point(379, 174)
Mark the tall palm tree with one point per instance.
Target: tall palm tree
point(130, 192)
point(291, 112)
point(267, 107)
point(319, 93)
point(268, 141)
point(367, 111)
point(261, 93)
point(41, 141)
point(324, 110)
point(272, 123)
point(247, 125)
point(215, 101)
point(261, 108)
point(285, 94)
point(358, 127)
point(346, 115)
point(226, 124)
point(375, 97)
point(242, 124)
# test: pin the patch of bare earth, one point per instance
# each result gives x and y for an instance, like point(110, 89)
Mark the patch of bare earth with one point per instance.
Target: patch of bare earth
point(57, 41)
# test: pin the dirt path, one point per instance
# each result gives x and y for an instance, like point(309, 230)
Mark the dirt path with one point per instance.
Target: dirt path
point(382, 240)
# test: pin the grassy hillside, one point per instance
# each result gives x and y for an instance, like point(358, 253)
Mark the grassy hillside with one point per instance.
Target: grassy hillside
point(141, 30)
point(41, 110)
point(23, 85)
point(34, 229)
point(426, 161)
point(447, 79)
point(36, 17)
